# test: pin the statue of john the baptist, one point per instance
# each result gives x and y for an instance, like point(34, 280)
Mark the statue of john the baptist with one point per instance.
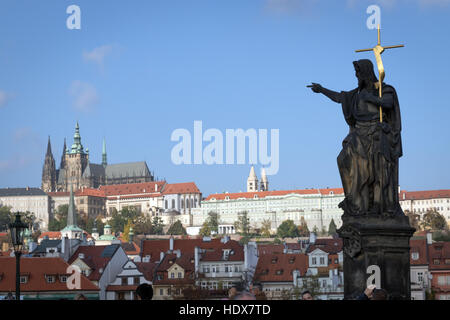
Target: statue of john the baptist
point(368, 162)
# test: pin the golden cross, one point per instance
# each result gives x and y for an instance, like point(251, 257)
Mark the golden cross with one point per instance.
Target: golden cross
point(378, 50)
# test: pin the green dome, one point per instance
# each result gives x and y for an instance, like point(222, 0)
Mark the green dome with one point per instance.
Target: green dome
point(107, 237)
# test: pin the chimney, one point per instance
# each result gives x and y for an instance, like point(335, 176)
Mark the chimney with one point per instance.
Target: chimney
point(178, 252)
point(429, 238)
point(171, 243)
point(161, 256)
point(196, 257)
point(156, 187)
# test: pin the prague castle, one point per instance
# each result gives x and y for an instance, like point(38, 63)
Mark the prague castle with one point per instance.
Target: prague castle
point(75, 169)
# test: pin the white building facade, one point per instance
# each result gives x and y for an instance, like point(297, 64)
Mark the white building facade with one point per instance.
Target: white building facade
point(316, 206)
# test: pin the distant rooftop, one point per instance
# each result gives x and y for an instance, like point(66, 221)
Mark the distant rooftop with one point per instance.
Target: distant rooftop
point(14, 192)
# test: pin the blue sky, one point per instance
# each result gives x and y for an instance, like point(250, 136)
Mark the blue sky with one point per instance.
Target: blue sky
point(138, 70)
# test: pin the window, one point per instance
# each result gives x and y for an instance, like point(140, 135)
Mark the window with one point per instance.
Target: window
point(447, 261)
point(436, 261)
point(415, 255)
point(173, 203)
point(165, 204)
point(137, 280)
point(63, 279)
point(179, 275)
point(172, 275)
point(336, 261)
point(50, 279)
point(279, 272)
point(420, 277)
point(23, 279)
point(161, 292)
point(124, 281)
point(441, 280)
point(314, 261)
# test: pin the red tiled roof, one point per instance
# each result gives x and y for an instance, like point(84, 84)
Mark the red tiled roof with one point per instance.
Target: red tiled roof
point(418, 246)
point(51, 235)
point(331, 246)
point(216, 253)
point(185, 261)
point(93, 258)
point(113, 287)
point(37, 268)
point(90, 192)
point(441, 252)
point(270, 265)
point(147, 268)
point(420, 195)
point(176, 188)
point(155, 247)
point(133, 188)
point(263, 194)
point(130, 248)
point(270, 248)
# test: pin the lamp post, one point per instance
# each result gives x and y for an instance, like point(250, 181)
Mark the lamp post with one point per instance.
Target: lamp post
point(17, 232)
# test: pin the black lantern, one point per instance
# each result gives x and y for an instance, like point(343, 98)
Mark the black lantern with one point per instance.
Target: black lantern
point(17, 232)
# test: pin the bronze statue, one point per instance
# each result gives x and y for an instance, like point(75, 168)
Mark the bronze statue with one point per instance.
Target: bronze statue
point(368, 162)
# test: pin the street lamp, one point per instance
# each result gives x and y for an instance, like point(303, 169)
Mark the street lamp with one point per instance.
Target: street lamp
point(17, 232)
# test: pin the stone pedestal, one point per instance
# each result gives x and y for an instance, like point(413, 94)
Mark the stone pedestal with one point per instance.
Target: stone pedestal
point(377, 245)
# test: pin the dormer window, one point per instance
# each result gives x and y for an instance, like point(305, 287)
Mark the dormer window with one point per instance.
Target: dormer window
point(23, 279)
point(274, 260)
point(50, 279)
point(279, 272)
point(227, 198)
point(255, 196)
point(63, 279)
point(291, 260)
point(415, 255)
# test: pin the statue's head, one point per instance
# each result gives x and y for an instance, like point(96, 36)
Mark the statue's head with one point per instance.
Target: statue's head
point(364, 72)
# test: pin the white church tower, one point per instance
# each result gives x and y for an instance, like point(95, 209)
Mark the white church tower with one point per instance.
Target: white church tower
point(264, 186)
point(252, 181)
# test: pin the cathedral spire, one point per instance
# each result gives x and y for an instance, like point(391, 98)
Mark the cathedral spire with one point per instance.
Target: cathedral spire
point(49, 148)
point(264, 185)
point(104, 159)
point(252, 181)
point(49, 170)
point(77, 147)
point(63, 157)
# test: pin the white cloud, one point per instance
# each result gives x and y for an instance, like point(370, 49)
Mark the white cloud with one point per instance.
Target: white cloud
point(97, 55)
point(84, 95)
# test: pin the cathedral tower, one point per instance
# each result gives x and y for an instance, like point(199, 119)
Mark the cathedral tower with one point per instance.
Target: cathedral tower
point(49, 171)
point(252, 181)
point(76, 161)
point(264, 186)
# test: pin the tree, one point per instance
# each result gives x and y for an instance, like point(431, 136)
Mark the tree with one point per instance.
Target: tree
point(59, 221)
point(157, 225)
point(332, 228)
point(5, 218)
point(177, 229)
point(303, 230)
point(266, 227)
point(126, 230)
point(433, 220)
point(242, 225)
point(120, 219)
point(287, 229)
point(205, 231)
point(143, 225)
point(211, 225)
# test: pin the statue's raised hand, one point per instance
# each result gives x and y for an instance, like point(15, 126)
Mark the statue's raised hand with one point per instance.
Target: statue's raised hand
point(317, 88)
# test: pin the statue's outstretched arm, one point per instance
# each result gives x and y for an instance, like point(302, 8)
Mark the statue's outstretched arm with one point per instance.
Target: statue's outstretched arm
point(333, 95)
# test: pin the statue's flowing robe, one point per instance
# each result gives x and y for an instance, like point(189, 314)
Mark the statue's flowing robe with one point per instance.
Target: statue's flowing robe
point(368, 162)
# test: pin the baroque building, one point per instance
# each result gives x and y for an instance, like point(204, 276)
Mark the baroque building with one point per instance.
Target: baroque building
point(77, 171)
